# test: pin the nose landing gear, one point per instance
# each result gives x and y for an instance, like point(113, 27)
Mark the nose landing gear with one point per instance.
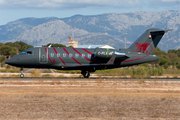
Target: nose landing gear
point(86, 72)
point(22, 75)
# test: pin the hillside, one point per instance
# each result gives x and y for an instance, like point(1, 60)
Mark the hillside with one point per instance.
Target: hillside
point(96, 29)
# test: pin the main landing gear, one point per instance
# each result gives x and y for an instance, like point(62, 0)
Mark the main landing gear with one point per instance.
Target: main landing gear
point(22, 75)
point(86, 74)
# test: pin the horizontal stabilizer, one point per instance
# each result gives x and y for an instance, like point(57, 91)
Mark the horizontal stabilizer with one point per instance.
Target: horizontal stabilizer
point(168, 30)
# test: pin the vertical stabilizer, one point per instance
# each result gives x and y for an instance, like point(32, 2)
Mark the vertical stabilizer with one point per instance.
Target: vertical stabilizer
point(148, 41)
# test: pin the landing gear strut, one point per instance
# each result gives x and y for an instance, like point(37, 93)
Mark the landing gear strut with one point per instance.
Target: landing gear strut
point(86, 74)
point(22, 75)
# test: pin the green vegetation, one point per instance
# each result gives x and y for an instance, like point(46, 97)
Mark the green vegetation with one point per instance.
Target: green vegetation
point(171, 58)
point(46, 75)
point(10, 49)
point(17, 46)
point(9, 70)
point(136, 72)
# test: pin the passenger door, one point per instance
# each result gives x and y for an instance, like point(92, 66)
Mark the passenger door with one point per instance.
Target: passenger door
point(43, 58)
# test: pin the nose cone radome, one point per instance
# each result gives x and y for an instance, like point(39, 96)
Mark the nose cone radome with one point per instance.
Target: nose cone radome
point(13, 62)
point(10, 62)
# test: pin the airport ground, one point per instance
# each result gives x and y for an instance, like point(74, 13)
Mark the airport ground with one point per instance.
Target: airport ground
point(94, 99)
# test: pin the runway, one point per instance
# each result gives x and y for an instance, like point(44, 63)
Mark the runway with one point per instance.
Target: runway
point(41, 98)
point(50, 79)
point(89, 100)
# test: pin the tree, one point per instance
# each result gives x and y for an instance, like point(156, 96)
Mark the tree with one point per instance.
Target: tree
point(2, 59)
point(172, 51)
point(25, 47)
point(172, 55)
point(21, 46)
point(17, 45)
point(9, 44)
point(160, 54)
point(5, 50)
point(1, 44)
point(13, 52)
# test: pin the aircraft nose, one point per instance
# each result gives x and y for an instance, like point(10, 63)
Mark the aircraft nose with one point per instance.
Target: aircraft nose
point(10, 61)
point(14, 61)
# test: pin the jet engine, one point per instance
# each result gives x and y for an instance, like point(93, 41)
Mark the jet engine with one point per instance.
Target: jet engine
point(103, 53)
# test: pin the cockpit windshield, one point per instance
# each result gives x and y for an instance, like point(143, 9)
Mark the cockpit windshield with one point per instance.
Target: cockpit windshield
point(26, 53)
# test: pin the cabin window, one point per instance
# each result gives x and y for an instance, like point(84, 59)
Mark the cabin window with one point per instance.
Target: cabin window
point(58, 55)
point(70, 55)
point(43, 58)
point(52, 54)
point(83, 55)
point(76, 55)
point(64, 54)
point(89, 55)
point(29, 52)
point(26, 53)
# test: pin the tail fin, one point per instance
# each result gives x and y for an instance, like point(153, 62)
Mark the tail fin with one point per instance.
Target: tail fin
point(148, 41)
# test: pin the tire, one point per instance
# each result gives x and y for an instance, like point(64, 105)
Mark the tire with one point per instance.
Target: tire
point(86, 75)
point(22, 75)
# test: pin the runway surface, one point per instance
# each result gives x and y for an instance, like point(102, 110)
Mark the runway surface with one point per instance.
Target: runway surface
point(49, 79)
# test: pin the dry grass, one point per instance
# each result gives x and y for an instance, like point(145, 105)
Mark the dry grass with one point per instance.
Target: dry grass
point(36, 73)
point(47, 75)
point(134, 72)
point(81, 100)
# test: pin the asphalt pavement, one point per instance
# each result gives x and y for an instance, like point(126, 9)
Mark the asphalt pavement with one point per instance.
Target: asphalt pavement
point(49, 79)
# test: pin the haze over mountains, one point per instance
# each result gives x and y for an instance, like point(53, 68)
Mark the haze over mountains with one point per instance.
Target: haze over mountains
point(96, 29)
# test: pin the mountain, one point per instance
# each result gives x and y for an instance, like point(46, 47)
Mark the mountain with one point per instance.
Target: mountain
point(95, 29)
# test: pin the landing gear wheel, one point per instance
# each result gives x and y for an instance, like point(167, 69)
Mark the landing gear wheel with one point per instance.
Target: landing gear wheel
point(22, 75)
point(86, 74)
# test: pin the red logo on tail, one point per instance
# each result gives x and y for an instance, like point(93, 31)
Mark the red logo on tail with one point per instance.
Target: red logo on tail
point(142, 47)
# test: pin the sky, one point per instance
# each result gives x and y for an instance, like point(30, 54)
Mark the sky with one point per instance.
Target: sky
point(11, 10)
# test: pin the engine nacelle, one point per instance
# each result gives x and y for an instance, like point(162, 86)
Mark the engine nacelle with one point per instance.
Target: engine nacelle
point(103, 53)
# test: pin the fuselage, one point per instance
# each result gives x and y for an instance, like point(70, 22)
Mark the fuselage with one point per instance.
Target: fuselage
point(76, 58)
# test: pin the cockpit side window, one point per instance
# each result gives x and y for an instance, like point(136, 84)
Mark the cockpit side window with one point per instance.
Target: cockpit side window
point(29, 52)
point(26, 53)
point(22, 53)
